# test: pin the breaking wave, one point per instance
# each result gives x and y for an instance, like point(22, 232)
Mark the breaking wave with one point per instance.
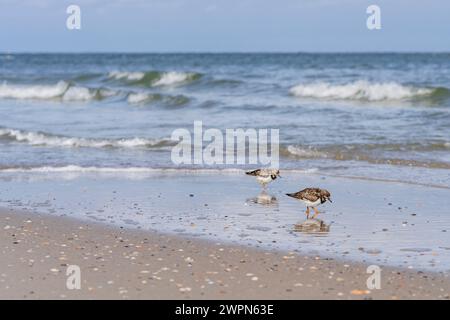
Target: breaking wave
point(363, 90)
point(33, 91)
point(130, 76)
point(66, 92)
point(171, 78)
point(155, 78)
point(138, 98)
point(142, 97)
point(50, 140)
point(62, 90)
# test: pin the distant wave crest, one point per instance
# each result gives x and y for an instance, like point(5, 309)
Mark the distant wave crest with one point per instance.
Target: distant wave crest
point(33, 91)
point(62, 90)
point(361, 90)
point(131, 76)
point(67, 92)
point(155, 78)
point(138, 98)
point(50, 140)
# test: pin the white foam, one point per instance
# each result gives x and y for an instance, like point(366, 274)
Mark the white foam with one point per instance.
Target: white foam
point(71, 172)
point(105, 93)
point(74, 168)
point(135, 98)
point(359, 90)
point(61, 90)
point(42, 139)
point(10, 91)
point(80, 169)
point(307, 152)
point(172, 78)
point(79, 94)
point(123, 75)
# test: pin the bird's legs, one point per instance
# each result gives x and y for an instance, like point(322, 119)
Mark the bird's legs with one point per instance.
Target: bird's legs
point(264, 187)
point(307, 212)
point(316, 212)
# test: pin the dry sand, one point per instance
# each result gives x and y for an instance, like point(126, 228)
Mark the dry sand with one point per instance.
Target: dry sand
point(128, 264)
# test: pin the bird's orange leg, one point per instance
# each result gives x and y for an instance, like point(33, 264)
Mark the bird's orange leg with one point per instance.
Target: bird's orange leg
point(316, 212)
point(307, 212)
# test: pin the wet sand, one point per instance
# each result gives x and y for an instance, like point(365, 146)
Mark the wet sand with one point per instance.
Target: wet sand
point(119, 263)
point(372, 222)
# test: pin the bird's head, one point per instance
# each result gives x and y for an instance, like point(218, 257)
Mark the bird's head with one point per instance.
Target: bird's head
point(327, 195)
point(275, 174)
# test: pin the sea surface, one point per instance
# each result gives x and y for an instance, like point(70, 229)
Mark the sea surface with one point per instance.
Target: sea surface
point(378, 116)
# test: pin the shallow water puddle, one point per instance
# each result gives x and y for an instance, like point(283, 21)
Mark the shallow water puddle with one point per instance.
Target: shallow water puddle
point(371, 221)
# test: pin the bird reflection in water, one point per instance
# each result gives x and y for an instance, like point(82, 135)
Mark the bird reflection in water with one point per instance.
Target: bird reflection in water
point(264, 198)
point(312, 226)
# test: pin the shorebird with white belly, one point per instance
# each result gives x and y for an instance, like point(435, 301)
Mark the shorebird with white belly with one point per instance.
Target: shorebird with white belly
point(312, 197)
point(264, 176)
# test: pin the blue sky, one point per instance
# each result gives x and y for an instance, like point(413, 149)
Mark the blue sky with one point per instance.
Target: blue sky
point(224, 26)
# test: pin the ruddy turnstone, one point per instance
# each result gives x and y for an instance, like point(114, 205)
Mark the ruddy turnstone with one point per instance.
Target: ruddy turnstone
point(312, 197)
point(264, 176)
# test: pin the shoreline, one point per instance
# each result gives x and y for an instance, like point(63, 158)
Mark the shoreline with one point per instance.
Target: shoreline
point(150, 171)
point(373, 222)
point(120, 263)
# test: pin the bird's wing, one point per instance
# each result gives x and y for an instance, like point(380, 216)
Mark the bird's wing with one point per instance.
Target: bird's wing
point(310, 194)
point(254, 172)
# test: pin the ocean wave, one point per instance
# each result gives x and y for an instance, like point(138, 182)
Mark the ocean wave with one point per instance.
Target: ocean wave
point(344, 151)
point(79, 94)
point(142, 97)
point(155, 78)
point(172, 78)
point(372, 153)
point(8, 91)
point(139, 98)
point(130, 76)
point(62, 90)
point(362, 90)
point(305, 152)
point(50, 140)
point(67, 92)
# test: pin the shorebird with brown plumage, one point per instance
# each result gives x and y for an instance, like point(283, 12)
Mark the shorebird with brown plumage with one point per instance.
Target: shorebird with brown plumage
point(312, 197)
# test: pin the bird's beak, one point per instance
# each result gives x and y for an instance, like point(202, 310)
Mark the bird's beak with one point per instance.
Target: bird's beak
point(278, 175)
point(329, 199)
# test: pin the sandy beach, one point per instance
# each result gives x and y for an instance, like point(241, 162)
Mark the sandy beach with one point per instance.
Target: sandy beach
point(120, 263)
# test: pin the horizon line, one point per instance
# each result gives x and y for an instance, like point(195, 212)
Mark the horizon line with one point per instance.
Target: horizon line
point(227, 52)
